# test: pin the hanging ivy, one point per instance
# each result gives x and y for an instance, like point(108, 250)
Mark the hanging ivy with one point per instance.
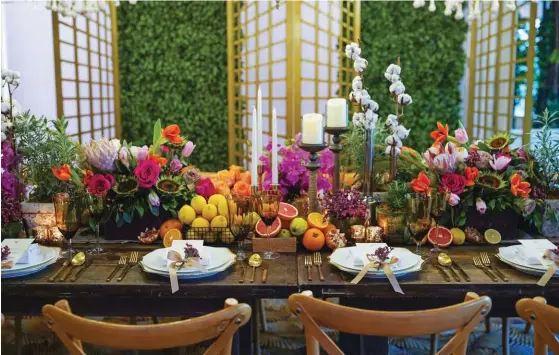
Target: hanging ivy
point(173, 67)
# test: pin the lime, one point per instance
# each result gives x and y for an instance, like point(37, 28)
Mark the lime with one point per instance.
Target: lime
point(492, 236)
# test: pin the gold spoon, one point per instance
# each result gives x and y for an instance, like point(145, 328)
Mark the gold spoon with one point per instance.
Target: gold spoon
point(77, 260)
point(254, 261)
point(445, 261)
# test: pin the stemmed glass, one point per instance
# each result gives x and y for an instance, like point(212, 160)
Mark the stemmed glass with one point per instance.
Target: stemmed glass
point(240, 221)
point(96, 206)
point(419, 218)
point(437, 212)
point(67, 218)
point(268, 208)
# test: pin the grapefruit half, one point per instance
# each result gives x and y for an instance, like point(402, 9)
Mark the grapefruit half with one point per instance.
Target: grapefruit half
point(440, 235)
point(262, 229)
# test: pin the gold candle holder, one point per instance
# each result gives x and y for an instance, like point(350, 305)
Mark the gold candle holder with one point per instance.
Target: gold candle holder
point(336, 148)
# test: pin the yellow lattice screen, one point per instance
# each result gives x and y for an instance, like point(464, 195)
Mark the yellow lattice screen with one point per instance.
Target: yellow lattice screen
point(494, 63)
point(294, 52)
point(86, 72)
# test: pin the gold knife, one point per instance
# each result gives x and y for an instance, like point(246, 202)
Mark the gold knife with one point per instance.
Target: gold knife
point(53, 277)
point(80, 272)
point(264, 267)
point(459, 268)
point(242, 279)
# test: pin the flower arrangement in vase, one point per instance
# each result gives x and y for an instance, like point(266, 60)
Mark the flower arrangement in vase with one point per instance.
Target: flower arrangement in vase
point(478, 179)
point(391, 214)
point(344, 208)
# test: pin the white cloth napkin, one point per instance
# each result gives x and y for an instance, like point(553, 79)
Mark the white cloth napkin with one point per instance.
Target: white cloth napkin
point(178, 246)
point(532, 251)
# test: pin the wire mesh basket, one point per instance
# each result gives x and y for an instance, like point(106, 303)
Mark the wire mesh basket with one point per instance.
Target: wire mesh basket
point(213, 236)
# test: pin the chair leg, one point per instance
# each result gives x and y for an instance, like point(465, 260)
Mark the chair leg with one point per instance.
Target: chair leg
point(505, 335)
point(255, 328)
point(263, 316)
point(434, 344)
point(487, 325)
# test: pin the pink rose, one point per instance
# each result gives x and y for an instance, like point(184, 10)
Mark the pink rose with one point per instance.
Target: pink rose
point(188, 148)
point(461, 136)
point(99, 185)
point(147, 172)
point(481, 206)
point(205, 188)
point(453, 199)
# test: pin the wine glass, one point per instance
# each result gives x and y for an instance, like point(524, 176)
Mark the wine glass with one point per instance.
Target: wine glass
point(438, 210)
point(240, 221)
point(96, 206)
point(67, 218)
point(268, 208)
point(419, 218)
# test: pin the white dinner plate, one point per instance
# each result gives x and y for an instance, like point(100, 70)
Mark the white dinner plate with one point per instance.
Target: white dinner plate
point(29, 271)
point(382, 275)
point(513, 255)
point(189, 276)
point(345, 256)
point(525, 269)
point(47, 255)
point(157, 260)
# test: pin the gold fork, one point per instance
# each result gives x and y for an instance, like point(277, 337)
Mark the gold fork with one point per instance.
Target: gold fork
point(118, 266)
point(308, 264)
point(133, 261)
point(487, 263)
point(317, 261)
point(479, 265)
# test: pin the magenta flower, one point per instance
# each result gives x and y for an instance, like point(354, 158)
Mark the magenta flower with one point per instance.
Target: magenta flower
point(99, 184)
point(481, 207)
point(205, 188)
point(500, 162)
point(147, 172)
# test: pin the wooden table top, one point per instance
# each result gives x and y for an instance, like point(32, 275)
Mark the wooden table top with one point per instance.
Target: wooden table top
point(287, 275)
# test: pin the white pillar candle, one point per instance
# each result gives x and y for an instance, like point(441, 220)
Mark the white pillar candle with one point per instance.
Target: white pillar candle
point(259, 132)
point(253, 169)
point(274, 147)
point(336, 113)
point(313, 129)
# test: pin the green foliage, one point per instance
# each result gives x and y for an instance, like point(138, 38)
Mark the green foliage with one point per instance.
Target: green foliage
point(546, 151)
point(41, 149)
point(397, 194)
point(432, 59)
point(173, 67)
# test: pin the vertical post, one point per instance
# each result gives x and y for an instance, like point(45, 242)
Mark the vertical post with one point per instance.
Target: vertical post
point(527, 121)
point(471, 79)
point(116, 72)
point(231, 84)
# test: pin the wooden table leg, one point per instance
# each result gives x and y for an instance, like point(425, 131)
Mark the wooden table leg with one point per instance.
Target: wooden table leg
point(505, 336)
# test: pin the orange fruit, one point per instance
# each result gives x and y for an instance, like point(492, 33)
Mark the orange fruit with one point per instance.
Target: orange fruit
point(316, 220)
point(328, 228)
point(313, 239)
point(172, 234)
point(168, 225)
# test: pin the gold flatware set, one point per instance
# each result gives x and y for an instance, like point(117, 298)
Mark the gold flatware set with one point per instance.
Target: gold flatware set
point(255, 262)
point(314, 260)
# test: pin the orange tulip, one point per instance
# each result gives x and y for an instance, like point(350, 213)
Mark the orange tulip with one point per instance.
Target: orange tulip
point(159, 160)
point(227, 177)
point(221, 187)
point(62, 173)
point(470, 174)
point(440, 134)
point(245, 177)
point(172, 133)
point(519, 187)
point(421, 184)
point(241, 188)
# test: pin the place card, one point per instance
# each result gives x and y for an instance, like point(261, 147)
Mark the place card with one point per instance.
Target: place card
point(22, 251)
point(363, 250)
point(178, 246)
point(534, 250)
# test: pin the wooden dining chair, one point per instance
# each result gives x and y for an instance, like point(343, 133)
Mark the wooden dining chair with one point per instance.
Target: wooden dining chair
point(315, 313)
point(545, 319)
point(72, 330)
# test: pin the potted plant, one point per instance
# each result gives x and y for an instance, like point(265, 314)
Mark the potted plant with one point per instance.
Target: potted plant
point(41, 148)
point(344, 208)
point(546, 170)
point(391, 214)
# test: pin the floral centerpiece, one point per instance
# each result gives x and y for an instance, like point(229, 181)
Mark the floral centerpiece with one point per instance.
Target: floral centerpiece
point(478, 179)
point(292, 174)
point(344, 208)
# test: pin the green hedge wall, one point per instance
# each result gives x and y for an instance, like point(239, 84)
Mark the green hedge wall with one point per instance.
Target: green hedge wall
point(430, 49)
point(173, 67)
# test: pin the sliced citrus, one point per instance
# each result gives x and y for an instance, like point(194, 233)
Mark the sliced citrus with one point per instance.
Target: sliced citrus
point(316, 220)
point(172, 234)
point(492, 236)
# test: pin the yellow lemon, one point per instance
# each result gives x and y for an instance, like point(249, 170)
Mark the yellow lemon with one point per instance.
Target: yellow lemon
point(209, 212)
point(200, 222)
point(187, 214)
point(198, 203)
point(223, 209)
point(216, 199)
point(458, 236)
point(219, 222)
point(492, 236)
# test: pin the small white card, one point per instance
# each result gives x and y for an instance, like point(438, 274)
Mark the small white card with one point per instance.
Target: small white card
point(22, 251)
point(364, 249)
point(178, 246)
point(534, 249)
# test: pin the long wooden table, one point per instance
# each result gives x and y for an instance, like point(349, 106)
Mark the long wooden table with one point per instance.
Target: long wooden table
point(142, 294)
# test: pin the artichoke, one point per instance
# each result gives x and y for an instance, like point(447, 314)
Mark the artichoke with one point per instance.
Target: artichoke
point(102, 153)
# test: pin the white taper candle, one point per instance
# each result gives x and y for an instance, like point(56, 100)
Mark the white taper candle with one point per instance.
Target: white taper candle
point(259, 111)
point(274, 147)
point(254, 162)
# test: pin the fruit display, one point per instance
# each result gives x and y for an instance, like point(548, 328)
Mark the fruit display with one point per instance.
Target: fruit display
point(335, 239)
point(172, 234)
point(316, 220)
point(149, 236)
point(458, 236)
point(492, 236)
point(313, 240)
point(286, 214)
point(440, 236)
point(298, 226)
point(473, 236)
point(264, 232)
point(168, 225)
